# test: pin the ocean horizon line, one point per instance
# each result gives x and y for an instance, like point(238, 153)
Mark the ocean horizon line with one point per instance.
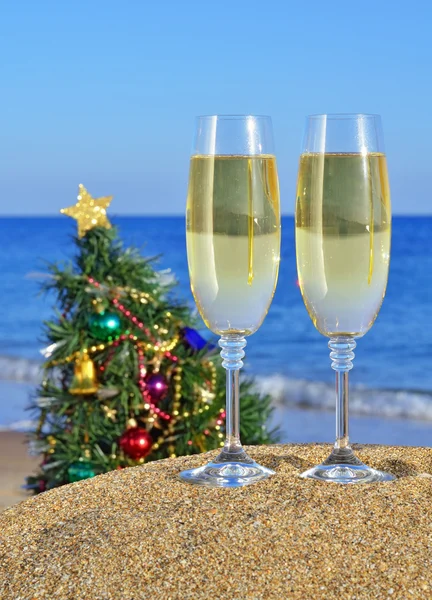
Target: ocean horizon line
point(177, 216)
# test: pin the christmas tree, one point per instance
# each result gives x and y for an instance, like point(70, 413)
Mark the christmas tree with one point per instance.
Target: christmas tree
point(127, 378)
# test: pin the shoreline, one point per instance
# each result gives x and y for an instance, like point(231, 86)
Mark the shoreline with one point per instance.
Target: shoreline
point(297, 424)
point(318, 426)
point(15, 465)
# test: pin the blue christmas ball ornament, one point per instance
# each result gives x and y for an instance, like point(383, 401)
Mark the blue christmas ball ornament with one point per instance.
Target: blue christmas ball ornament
point(195, 340)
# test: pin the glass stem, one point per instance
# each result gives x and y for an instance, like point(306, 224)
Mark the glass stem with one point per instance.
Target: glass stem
point(342, 356)
point(232, 409)
point(342, 434)
point(232, 354)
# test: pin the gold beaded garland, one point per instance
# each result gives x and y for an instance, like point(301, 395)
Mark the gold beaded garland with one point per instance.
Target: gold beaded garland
point(169, 431)
point(162, 349)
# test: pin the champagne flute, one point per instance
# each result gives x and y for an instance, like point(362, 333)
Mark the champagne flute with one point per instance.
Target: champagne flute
point(343, 231)
point(233, 246)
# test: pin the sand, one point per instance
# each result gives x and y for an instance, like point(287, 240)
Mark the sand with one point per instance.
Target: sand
point(140, 533)
point(15, 465)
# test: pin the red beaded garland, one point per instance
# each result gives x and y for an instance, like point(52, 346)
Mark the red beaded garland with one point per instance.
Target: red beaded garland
point(117, 304)
point(149, 395)
point(142, 384)
point(132, 318)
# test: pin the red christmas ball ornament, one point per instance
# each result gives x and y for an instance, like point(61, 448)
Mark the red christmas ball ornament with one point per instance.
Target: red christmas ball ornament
point(136, 442)
point(156, 387)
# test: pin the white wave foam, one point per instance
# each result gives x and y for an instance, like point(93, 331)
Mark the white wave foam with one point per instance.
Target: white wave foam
point(20, 369)
point(300, 393)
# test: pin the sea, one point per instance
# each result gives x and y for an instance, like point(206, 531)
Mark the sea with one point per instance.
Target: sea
point(391, 383)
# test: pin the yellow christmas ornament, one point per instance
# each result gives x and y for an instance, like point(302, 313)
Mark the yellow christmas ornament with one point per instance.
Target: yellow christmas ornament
point(89, 212)
point(84, 381)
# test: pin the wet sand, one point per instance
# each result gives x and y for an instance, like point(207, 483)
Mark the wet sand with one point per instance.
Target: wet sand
point(15, 465)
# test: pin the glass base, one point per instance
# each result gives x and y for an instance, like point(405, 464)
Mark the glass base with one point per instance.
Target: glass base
point(342, 466)
point(229, 469)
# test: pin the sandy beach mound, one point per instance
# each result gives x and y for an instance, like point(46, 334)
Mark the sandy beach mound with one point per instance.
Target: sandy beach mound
point(140, 533)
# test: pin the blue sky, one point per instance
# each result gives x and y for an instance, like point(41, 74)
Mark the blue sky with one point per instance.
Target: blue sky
point(105, 92)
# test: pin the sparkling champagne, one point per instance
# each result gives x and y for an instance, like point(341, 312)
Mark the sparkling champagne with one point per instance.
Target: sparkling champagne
point(233, 239)
point(343, 230)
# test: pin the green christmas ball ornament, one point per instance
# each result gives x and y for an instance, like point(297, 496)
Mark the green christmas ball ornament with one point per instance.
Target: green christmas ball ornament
point(104, 325)
point(83, 469)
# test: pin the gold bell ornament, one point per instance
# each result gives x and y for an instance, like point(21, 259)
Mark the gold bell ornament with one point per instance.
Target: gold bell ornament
point(84, 381)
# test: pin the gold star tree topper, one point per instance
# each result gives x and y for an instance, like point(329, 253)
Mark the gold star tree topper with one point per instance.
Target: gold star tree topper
point(89, 212)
